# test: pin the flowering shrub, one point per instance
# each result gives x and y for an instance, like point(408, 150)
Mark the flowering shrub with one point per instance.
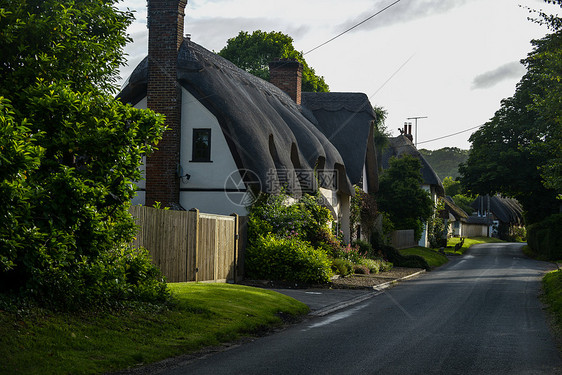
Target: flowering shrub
point(351, 253)
point(293, 242)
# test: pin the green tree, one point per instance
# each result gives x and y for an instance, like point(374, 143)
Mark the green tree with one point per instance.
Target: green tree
point(452, 187)
point(253, 53)
point(464, 202)
point(401, 196)
point(381, 133)
point(69, 154)
point(544, 63)
point(517, 152)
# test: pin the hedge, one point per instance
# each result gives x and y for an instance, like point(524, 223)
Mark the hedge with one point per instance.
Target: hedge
point(545, 237)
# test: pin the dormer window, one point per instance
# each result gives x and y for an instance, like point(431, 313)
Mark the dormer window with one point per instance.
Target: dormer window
point(201, 150)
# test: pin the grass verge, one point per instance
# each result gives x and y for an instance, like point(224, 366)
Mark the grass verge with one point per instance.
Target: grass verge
point(552, 286)
point(468, 242)
point(41, 342)
point(433, 258)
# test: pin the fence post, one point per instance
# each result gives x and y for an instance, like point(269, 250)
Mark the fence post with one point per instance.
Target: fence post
point(236, 239)
point(195, 239)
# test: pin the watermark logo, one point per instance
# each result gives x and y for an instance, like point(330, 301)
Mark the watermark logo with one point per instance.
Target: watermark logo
point(237, 190)
point(303, 180)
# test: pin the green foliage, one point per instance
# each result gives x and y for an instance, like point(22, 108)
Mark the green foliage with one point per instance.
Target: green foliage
point(351, 253)
point(37, 342)
point(253, 53)
point(72, 209)
point(381, 133)
point(70, 152)
point(304, 218)
point(544, 63)
point(452, 187)
point(398, 260)
point(364, 247)
point(289, 242)
point(292, 242)
point(464, 202)
point(436, 229)
point(19, 156)
point(544, 237)
point(286, 259)
point(363, 211)
point(80, 42)
point(376, 265)
point(361, 269)
point(552, 286)
point(401, 196)
point(445, 161)
point(432, 257)
point(342, 267)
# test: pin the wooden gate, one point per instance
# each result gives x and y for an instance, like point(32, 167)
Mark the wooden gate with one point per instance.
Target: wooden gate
point(189, 245)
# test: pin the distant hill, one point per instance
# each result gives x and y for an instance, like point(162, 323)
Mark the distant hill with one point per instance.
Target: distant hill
point(445, 161)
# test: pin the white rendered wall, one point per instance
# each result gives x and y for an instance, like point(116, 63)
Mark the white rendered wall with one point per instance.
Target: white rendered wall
point(208, 179)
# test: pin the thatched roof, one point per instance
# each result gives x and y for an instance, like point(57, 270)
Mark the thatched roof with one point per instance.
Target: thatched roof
point(265, 130)
point(342, 118)
point(454, 210)
point(507, 210)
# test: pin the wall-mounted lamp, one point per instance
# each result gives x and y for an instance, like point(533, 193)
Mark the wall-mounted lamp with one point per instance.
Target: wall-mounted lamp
point(179, 173)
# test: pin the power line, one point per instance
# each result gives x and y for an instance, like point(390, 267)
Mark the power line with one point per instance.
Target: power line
point(392, 75)
point(352, 27)
point(450, 135)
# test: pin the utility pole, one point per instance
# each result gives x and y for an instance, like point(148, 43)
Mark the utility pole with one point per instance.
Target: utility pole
point(416, 118)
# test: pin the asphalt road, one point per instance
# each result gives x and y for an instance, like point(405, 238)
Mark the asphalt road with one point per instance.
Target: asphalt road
point(479, 314)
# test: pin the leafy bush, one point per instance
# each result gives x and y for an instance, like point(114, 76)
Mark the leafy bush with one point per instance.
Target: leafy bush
point(66, 201)
point(68, 153)
point(342, 267)
point(306, 218)
point(109, 280)
point(351, 253)
point(399, 260)
point(376, 265)
point(360, 269)
point(364, 247)
point(286, 259)
point(372, 264)
point(544, 237)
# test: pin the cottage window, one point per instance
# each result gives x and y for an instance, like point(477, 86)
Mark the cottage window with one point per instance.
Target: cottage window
point(201, 151)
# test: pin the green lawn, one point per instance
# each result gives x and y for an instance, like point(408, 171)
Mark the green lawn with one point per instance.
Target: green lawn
point(433, 258)
point(552, 286)
point(468, 242)
point(41, 342)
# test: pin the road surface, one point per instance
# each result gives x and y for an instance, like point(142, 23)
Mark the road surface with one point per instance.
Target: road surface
point(479, 314)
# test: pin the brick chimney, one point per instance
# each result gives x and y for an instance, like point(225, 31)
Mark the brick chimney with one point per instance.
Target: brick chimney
point(165, 35)
point(287, 75)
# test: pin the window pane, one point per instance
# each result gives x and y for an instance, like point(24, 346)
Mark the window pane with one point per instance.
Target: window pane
point(201, 145)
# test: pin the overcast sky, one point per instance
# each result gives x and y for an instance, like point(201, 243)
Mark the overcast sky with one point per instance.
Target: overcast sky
point(451, 61)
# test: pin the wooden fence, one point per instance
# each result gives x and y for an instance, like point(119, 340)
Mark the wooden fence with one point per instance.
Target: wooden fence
point(402, 239)
point(189, 245)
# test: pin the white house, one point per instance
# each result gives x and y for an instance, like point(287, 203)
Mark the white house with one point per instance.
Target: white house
point(232, 135)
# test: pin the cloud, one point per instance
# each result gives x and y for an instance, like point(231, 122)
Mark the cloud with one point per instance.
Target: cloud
point(491, 78)
point(403, 11)
point(214, 32)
